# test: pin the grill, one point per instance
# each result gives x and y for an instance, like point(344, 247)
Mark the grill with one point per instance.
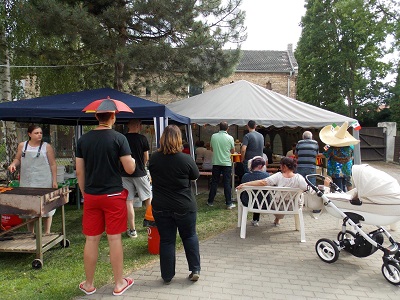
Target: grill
point(33, 202)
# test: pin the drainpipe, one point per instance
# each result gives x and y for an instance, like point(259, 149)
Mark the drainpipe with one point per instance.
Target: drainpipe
point(288, 83)
point(293, 68)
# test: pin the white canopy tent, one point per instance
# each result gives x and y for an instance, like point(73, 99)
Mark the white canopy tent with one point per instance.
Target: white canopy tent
point(241, 101)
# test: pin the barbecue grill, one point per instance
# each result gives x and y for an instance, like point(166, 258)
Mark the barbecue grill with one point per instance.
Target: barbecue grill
point(33, 202)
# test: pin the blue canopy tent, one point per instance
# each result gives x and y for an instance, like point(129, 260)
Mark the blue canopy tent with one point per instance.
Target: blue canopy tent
point(66, 109)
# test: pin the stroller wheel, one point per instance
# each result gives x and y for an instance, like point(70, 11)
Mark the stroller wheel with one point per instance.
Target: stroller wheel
point(395, 269)
point(327, 250)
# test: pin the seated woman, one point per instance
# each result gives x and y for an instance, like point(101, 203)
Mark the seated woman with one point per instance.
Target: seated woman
point(199, 152)
point(207, 158)
point(256, 166)
point(285, 178)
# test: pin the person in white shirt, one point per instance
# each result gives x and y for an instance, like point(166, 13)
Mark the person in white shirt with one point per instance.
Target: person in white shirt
point(292, 152)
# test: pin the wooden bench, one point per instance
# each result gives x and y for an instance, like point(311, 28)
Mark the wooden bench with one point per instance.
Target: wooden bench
point(271, 200)
point(208, 174)
point(205, 173)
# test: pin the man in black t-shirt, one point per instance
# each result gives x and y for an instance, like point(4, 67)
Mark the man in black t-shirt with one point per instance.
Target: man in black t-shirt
point(99, 153)
point(139, 181)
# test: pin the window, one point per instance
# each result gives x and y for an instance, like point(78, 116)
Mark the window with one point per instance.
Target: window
point(268, 85)
point(148, 92)
point(195, 90)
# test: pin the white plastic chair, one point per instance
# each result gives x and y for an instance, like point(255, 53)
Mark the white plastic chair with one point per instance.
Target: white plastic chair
point(271, 200)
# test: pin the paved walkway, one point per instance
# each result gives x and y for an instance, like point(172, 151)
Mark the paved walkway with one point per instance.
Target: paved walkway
point(270, 263)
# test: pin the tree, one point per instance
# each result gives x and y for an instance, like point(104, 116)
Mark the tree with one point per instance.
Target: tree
point(36, 58)
point(340, 54)
point(161, 45)
point(8, 128)
point(394, 101)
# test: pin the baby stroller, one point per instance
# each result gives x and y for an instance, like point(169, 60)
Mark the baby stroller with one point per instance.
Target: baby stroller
point(375, 200)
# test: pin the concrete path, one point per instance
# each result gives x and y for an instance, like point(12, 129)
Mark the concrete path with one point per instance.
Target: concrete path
point(270, 263)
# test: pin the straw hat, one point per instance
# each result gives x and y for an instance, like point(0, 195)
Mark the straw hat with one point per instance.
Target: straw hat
point(338, 136)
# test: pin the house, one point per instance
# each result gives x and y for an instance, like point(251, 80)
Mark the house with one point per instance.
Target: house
point(273, 69)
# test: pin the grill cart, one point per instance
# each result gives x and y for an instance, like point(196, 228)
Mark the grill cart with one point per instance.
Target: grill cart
point(32, 202)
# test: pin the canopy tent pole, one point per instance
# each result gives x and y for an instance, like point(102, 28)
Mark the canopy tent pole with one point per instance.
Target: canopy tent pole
point(78, 134)
point(165, 123)
point(189, 134)
point(159, 124)
point(156, 131)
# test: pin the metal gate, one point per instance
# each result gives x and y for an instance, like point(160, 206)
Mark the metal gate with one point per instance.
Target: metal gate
point(373, 143)
point(396, 156)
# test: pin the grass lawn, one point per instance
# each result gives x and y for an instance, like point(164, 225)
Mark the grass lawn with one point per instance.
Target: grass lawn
point(63, 267)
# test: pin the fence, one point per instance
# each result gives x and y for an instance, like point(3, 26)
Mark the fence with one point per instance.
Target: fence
point(396, 156)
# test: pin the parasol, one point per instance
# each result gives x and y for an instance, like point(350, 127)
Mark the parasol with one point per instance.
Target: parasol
point(107, 105)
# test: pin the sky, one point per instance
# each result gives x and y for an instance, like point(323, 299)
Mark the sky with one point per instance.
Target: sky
point(272, 24)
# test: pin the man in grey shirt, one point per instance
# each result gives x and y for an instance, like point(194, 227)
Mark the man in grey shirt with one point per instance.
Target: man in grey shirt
point(252, 145)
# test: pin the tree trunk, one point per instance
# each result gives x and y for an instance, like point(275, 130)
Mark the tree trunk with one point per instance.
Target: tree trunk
point(8, 128)
point(118, 80)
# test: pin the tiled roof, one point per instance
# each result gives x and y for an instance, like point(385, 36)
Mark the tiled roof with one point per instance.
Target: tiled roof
point(267, 61)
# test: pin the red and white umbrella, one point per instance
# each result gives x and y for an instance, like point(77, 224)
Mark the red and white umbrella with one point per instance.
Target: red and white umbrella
point(107, 105)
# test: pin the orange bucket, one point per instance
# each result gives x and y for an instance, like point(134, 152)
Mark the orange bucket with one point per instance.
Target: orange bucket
point(149, 213)
point(236, 157)
point(153, 240)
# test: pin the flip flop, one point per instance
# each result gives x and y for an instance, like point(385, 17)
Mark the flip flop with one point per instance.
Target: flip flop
point(129, 282)
point(85, 290)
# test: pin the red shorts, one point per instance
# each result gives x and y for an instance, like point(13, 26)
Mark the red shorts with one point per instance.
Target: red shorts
point(104, 213)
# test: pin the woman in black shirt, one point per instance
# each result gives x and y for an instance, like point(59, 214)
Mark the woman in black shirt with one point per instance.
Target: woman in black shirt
point(174, 205)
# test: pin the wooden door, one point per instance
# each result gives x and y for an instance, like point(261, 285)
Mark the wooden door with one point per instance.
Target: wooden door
point(373, 144)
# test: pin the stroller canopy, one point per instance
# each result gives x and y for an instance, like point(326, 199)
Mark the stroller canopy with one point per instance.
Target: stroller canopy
point(375, 186)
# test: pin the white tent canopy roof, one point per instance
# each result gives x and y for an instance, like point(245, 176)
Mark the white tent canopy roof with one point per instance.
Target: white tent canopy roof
point(241, 101)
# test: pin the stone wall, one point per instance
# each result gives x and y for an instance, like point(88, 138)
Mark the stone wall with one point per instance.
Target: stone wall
point(277, 82)
point(390, 131)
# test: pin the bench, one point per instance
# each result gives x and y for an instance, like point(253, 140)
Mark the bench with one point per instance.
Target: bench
point(208, 174)
point(205, 173)
point(271, 200)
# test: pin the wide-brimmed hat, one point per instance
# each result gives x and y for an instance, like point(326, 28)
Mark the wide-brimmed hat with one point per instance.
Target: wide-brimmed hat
point(337, 136)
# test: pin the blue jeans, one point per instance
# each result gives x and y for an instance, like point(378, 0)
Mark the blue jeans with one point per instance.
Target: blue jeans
point(226, 172)
point(340, 182)
point(168, 222)
point(245, 166)
point(308, 171)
